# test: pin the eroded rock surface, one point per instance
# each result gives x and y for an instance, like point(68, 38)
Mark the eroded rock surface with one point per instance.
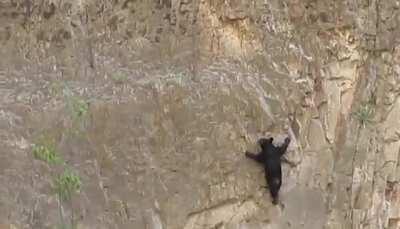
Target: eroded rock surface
point(153, 103)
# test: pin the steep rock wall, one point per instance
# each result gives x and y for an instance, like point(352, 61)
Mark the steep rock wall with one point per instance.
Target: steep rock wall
point(178, 90)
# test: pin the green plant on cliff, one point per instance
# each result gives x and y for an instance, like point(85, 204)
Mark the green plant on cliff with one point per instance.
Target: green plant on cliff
point(46, 152)
point(65, 186)
point(365, 114)
point(78, 107)
point(78, 110)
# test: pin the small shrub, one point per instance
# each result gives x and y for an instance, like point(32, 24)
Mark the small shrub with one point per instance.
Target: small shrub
point(78, 110)
point(67, 184)
point(364, 114)
point(79, 107)
point(76, 106)
point(46, 153)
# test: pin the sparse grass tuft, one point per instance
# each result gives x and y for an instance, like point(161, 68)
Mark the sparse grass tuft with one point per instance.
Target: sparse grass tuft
point(119, 78)
point(76, 106)
point(67, 184)
point(46, 153)
point(79, 107)
point(364, 114)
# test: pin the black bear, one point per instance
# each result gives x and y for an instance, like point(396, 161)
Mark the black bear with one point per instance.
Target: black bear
point(271, 157)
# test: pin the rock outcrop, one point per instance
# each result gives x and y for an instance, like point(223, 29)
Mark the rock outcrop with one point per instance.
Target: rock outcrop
point(152, 104)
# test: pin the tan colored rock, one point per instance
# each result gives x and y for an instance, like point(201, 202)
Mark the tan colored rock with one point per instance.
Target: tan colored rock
point(179, 90)
point(7, 226)
point(315, 132)
point(231, 212)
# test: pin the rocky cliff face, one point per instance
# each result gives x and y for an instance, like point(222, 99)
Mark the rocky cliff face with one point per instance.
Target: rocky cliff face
point(151, 104)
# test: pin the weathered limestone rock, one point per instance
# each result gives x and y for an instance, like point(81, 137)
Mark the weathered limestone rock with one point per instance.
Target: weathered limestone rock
point(153, 104)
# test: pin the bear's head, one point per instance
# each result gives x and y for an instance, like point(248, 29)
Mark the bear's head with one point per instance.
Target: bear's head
point(266, 143)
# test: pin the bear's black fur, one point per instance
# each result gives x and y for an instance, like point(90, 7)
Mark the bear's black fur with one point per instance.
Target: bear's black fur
point(271, 157)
